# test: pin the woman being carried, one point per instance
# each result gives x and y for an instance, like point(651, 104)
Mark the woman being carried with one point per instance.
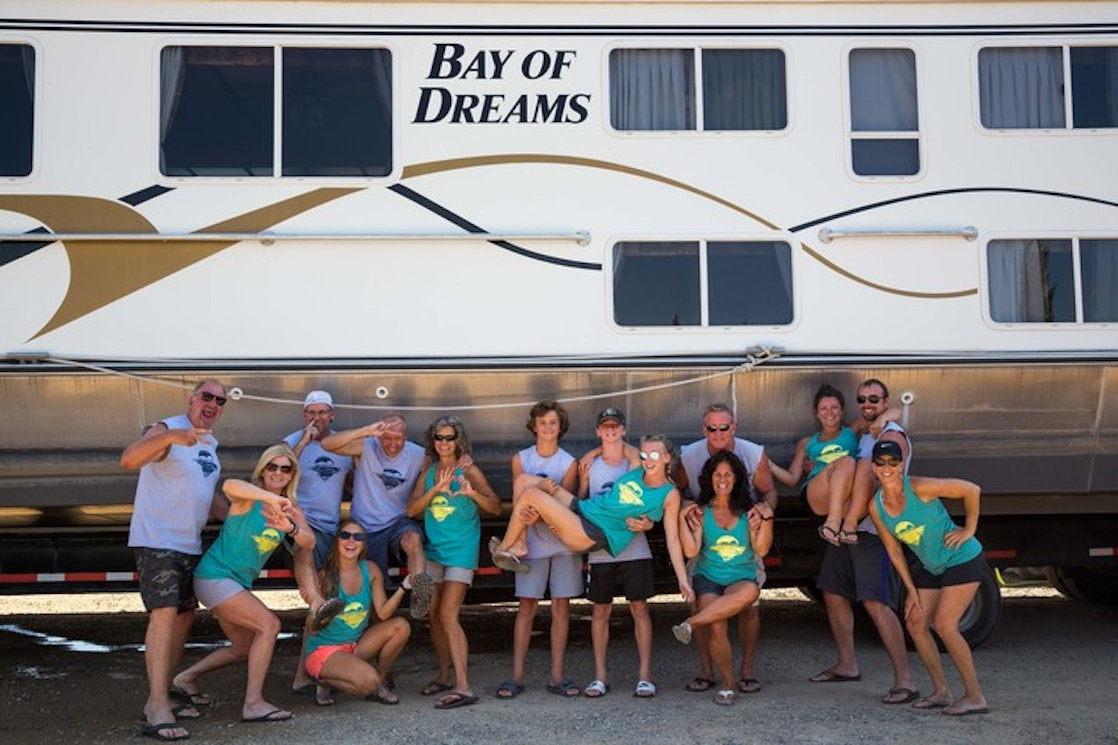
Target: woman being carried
point(261, 512)
point(448, 496)
point(727, 533)
point(341, 655)
point(599, 522)
point(831, 454)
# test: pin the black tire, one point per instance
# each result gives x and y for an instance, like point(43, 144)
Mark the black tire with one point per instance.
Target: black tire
point(979, 620)
point(1086, 584)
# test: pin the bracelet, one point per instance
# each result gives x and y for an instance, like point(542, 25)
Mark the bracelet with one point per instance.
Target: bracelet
point(769, 518)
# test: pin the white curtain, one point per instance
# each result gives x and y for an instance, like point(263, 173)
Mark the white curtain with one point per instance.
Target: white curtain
point(172, 69)
point(1021, 88)
point(883, 90)
point(1100, 276)
point(1017, 284)
point(652, 89)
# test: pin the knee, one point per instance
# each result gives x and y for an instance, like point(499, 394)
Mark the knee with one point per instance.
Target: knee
point(916, 624)
point(410, 542)
point(368, 681)
point(639, 610)
point(400, 628)
point(270, 626)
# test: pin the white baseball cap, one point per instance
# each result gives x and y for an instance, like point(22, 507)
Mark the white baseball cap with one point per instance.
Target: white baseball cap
point(318, 397)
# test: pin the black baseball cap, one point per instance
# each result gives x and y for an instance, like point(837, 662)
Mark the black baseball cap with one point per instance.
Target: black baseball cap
point(611, 413)
point(888, 449)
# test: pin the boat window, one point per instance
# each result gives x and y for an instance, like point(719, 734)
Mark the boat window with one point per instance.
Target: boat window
point(702, 283)
point(1066, 280)
point(1025, 87)
point(884, 117)
point(698, 89)
point(17, 91)
point(218, 112)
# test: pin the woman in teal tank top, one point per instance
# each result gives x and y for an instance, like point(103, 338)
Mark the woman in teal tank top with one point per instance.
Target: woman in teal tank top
point(449, 494)
point(831, 452)
point(726, 533)
point(339, 655)
point(261, 514)
point(907, 510)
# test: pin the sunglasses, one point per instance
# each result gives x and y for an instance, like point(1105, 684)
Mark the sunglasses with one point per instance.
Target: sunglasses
point(653, 455)
point(718, 427)
point(444, 438)
point(345, 535)
point(872, 399)
point(207, 397)
point(278, 467)
point(886, 462)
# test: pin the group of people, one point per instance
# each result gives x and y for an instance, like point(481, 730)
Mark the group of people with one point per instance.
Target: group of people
point(421, 506)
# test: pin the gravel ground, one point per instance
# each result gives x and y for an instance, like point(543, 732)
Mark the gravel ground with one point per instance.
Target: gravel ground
point(71, 671)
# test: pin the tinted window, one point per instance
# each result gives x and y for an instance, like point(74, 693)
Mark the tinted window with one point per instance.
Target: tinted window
point(884, 117)
point(17, 122)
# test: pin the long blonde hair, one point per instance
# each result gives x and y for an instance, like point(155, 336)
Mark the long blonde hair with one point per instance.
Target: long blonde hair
point(276, 451)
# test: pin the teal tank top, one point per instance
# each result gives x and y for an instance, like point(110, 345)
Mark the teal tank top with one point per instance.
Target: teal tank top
point(824, 452)
point(242, 548)
point(452, 526)
point(629, 497)
point(348, 626)
point(921, 526)
point(727, 555)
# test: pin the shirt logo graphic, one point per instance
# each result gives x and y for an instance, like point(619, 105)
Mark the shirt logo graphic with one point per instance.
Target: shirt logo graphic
point(727, 548)
point(631, 492)
point(267, 541)
point(324, 467)
point(206, 462)
point(440, 508)
point(354, 614)
point(908, 533)
point(391, 478)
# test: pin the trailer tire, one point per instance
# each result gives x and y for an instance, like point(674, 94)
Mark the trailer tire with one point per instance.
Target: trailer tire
point(1085, 584)
point(980, 618)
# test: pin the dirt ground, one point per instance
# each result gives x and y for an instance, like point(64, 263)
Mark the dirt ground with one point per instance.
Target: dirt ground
point(71, 670)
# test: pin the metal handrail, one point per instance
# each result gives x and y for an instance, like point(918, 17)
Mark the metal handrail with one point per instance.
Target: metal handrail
point(969, 232)
point(582, 237)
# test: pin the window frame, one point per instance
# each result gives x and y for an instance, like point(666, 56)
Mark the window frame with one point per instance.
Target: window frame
point(987, 292)
point(696, 49)
point(1069, 127)
point(36, 110)
point(850, 135)
point(277, 48)
point(703, 242)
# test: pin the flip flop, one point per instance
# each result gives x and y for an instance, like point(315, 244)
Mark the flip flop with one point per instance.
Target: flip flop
point(829, 534)
point(181, 710)
point(454, 700)
point(155, 731)
point(304, 690)
point(323, 695)
point(326, 613)
point(682, 632)
point(830, 676)
point(927, 703)
point(434, 687)
point(565, 687)
point(698, 684)
point(907, 695)
point(271, 716)
point(725, 697)
point(965, 712)
point(508, 562)
point(190, 699)
point(749, 685)
point(849, 537)
point(420, 603)
point(509, 689)
point(383, 695)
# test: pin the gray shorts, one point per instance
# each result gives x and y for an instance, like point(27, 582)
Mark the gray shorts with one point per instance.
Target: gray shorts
point(166, 578)
point(211, 592)
point(442, 573)
point(560, 576)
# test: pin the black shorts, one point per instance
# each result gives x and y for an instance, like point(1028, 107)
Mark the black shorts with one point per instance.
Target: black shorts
point(166, 578)
point(859, 571)
point(635, 578)
point(593, 532)
point(960, 574)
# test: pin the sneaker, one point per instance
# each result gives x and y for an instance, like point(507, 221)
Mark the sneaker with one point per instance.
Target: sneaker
point(682, 632)
point(421, 586)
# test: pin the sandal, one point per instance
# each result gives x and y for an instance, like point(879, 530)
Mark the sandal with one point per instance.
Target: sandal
point(645, 689)
point(725, 697)
point(596, 689)
point(565, 687)
point(509, 689)
point(829, 534)
point(323, 695)
point(849, 537)
point(434, 687)
point(749, 685)
point(699, 684)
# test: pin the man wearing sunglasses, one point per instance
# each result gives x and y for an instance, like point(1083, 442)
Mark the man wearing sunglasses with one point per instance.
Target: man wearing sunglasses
point(325, 478)
point(719, 434)
point(383, 479)
point(860, 572)
point(175, 496)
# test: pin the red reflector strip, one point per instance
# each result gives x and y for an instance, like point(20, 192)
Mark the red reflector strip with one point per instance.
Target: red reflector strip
point(68, 577)
point(277, 574)
point(1002, 554)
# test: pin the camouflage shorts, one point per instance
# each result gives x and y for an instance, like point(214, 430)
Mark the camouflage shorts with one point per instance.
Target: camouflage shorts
point(166, 578)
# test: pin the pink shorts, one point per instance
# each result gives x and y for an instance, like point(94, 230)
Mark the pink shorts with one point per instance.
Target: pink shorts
point(317, 658)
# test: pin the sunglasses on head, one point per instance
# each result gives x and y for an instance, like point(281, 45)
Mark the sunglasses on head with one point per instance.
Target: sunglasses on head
point(207, 397)
point(886, 462)
point(278, 467)
point(346, 535)
point(718, 428)
point(651, 455)
point(444, 438)
point(874, 399)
